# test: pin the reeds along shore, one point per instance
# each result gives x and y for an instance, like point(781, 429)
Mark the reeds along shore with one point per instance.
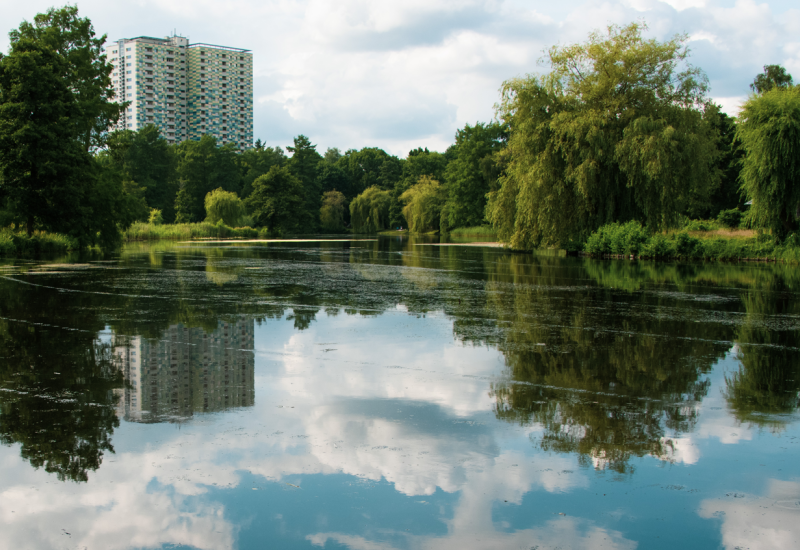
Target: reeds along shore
point(18, 243)
point(189, 231)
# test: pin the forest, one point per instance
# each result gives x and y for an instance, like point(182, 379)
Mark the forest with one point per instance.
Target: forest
point(620, 129)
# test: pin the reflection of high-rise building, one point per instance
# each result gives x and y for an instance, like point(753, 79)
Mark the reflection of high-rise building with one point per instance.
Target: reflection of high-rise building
point(187, 370)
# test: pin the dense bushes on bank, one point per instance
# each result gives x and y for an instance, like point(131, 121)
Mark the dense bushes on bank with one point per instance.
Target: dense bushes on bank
point(631, 239)
point(18, 243)
point(188, 231)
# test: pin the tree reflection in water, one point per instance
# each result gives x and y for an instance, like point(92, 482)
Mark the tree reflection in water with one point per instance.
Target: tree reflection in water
point(57, 382)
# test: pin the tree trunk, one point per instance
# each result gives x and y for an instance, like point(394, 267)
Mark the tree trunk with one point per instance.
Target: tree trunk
point(30, 225)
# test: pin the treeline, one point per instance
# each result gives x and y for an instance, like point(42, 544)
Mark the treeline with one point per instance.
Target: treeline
point(621, 129)
point(368, 189)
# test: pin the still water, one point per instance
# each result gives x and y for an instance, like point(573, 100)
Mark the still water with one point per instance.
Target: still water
point(396, 394)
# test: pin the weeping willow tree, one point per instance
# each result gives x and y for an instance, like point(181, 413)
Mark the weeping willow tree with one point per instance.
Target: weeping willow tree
point(769, 130)
point(423, 204)
point(369, 212)
point(617, 130)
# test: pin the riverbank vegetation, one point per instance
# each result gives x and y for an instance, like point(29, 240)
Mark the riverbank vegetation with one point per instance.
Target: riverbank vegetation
point(620, 130)
point(19, 243)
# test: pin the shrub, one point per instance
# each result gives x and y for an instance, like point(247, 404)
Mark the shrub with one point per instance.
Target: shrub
point(155, 217)
point(224, 206)
point(615, 238)
point(730, 218)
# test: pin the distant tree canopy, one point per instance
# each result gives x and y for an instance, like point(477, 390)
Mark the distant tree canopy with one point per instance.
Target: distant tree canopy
point(615, 131)
point(774, 76)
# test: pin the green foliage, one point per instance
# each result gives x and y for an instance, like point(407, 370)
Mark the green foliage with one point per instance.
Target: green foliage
point(257, 162)
point(615, 238)
point(420, 162)
point(701, 225)
point(18, 243)
point(730, 218)
point(276, 201)
point(616, 131)
point(84, 69)
point(477, 231)
point(369, 211)
point(473, 173)
point(155, 217)
point(630, 238)
point(769, 130)
point(203, 167)
point(423, 205)
point(146, 158)
point(774, 76)
point(331, 215)
point(189, 231)
point(224, 206)
point(303, 165)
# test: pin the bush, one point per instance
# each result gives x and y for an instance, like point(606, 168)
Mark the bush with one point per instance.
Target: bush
point(224, 206)
point(659, 246)
point(701, 225)
point(189, 231)
point(687, 246)
point(41, 242)
point(615, 238)
point(730, 218)
point(155, 217)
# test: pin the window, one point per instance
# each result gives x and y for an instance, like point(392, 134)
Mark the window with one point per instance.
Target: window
point(127, 49)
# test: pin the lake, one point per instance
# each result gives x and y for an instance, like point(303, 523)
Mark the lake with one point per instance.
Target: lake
point(394, 393)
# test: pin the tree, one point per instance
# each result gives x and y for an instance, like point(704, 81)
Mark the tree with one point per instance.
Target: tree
point(473, 173)
point(369, 212)
point(616, 131)
point(40, 160)
point(303, 164)
point(423, 205)
point(769, 130)
point(774, 76)
point(224, 206)
point(257, 162)
point(419, 162)
point(203, 167)
point(276, 201)
point(85, 71)
point(146, 157)
point(331, 215)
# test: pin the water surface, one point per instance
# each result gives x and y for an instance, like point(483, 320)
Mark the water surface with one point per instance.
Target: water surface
point(391, 394)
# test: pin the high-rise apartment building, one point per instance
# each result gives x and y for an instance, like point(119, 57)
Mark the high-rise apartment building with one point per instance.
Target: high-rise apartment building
point(186, 90)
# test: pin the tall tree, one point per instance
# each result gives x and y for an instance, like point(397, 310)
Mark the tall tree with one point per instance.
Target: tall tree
point(616, 131)
point(769, 130)
point(40, 161)
point(85, 71)
point(419, 162)
point(774, 76)
point(276, 201)
point(473, 173)
point(303, 164)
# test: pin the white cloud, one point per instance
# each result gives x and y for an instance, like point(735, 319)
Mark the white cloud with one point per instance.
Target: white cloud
point(749, 521)
point(404, 74)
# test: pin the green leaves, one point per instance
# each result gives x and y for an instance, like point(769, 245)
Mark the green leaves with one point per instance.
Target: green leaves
point(369, 212)
point(276, 201)
point(616, 131)
point(769, 130)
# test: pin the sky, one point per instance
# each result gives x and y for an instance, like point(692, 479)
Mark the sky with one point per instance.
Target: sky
point(401, 74)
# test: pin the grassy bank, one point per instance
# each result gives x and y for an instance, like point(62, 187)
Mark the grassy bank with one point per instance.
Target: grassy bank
point(482, 231)
point(17, 243)
point(706, 243)
point(190, 231)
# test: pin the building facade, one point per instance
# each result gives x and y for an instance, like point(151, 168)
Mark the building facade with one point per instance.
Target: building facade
point(186, 371)
point(186, 90)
